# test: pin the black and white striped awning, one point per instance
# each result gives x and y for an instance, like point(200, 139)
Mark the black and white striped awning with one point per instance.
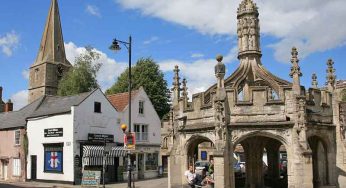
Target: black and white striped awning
point(93, 155)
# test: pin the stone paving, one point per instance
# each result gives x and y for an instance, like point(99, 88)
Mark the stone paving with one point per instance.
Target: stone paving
point(156, 183)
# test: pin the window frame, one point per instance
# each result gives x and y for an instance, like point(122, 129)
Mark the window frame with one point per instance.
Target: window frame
point(139, 131)
point(141, 107)
point(15, 137)
point(97, 107)
point(57, 147)
point(16, 171)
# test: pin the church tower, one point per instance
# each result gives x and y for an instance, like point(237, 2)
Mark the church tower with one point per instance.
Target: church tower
point(51, 62)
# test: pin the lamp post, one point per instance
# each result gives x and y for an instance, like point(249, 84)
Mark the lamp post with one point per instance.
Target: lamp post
point(115, 47)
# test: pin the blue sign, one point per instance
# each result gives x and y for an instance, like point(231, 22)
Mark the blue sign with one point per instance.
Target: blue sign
point(53, 161)
point(203, 155)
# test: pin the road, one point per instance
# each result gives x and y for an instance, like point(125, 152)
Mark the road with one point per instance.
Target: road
point(152, 183)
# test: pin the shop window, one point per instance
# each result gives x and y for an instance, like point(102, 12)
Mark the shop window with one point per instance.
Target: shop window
point(17, 137)
point(53, 158)
point(97, 107)
point(151, 161)
point(141, 107)
point(16, 167)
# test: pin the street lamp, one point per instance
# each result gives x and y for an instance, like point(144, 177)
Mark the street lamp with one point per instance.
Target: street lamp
point(116, 47)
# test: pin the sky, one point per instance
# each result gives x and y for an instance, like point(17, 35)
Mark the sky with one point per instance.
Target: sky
point(180, 32)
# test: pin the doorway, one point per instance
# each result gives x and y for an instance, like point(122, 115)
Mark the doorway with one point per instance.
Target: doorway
point(4, 169)
point(140, 166)
point(33, 167)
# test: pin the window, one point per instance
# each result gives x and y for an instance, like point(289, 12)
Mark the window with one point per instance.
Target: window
point(17, 137)
point(16, 167)
point(141, 132)
point(204, 155)
point(141, 107)
point(97, 107)
point(53, 158)
point(151, 161)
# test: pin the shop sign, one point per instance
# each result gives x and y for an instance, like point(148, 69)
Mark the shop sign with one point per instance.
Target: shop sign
point(101, 137)
point(54, 132)
point(129, 141)
point(91, 178)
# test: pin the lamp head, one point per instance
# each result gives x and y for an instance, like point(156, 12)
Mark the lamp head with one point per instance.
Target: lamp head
point(115, 45)
point(123, 127)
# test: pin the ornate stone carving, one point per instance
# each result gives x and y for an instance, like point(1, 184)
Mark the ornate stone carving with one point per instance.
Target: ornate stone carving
point(220, 123)
point(331, 77)
point(314, 82)
point(295, 69)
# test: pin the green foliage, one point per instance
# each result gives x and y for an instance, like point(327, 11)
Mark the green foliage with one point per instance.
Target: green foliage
point(146, 73)
point(82, 76)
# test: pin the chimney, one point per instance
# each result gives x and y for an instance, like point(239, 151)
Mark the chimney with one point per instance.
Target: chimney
point(8, 106)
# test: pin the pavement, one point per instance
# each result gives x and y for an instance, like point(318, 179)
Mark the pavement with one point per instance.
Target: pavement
point(152, 183)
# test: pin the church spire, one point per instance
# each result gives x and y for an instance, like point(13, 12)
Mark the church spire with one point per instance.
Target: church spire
point(51, 62)
point(52, 43)
point(248, 29)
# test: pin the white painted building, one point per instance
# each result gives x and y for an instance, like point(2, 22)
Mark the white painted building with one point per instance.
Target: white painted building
point(146, 123)
point(60, 127)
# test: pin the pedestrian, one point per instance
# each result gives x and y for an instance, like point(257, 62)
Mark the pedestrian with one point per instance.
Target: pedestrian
point(190, 176)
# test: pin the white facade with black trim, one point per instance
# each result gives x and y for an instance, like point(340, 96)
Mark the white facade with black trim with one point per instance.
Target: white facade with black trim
point(58, 130)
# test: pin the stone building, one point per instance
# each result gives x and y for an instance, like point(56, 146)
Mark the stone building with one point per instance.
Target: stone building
point(262, 112)
point(51, 62)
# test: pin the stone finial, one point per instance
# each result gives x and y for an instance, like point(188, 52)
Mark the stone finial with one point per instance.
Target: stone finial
point(176, 85)
point(331, 77)
point(220, 68)
point(247, 6)
point(314, 82)
point(184, 93)
point(295, 69)
point(176, 78)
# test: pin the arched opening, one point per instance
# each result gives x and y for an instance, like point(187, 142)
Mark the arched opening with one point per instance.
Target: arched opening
point(319, 161)
point(260, 161)
point(199, 153)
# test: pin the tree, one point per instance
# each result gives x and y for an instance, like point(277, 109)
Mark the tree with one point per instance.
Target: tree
point(82, 76)
point(146, 73)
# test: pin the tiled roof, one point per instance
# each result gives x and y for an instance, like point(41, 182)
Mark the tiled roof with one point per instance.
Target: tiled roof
point(121, 100)
point(45, 105)
point(18, 118)
point(59, 104)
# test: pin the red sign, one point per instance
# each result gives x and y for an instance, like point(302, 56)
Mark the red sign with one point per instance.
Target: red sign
point(130, 141)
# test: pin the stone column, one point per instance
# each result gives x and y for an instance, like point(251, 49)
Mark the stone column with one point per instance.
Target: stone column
point(175, 172)
point(273, 156)
point(219, 175)
point(253, 149)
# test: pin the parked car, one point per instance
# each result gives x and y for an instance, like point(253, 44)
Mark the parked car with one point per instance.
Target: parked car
point(200, 165)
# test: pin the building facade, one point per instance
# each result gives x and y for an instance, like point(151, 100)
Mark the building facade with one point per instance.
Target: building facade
point(146, 124)
point(60, 129)
point(13, 142)
point(263, 113)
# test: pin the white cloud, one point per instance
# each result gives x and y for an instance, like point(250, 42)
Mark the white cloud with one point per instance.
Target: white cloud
point(151, 40)
point(109, 71)
point(194, 72)
point(8, 43)
point(311, 25)
point(25, 74)
point(93, 10)
point(19, 99)
point(197, 55)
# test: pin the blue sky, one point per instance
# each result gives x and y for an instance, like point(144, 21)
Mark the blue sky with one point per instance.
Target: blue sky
point(188, 33)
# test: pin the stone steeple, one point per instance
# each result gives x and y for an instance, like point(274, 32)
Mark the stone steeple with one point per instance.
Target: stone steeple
point(51, 62)
point(295, 71)
point(248, 29)
point(331, 77)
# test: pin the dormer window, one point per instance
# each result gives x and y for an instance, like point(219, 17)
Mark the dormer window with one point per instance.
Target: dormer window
point(141, 107)
point(97, 107)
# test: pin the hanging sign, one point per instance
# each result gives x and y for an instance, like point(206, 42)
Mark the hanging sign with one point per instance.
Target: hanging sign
point(130, 141)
